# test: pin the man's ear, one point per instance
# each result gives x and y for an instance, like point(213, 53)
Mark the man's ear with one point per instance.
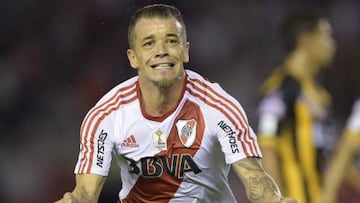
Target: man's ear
point(187, 57)
point(132, 58)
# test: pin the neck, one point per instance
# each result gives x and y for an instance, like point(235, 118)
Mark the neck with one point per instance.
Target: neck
point(299, 65)
point(157, 100)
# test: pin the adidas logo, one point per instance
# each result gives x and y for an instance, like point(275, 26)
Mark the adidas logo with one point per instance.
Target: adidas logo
point(130, 142)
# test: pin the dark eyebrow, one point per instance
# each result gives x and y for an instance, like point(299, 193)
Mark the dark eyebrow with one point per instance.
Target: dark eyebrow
point(167, 35)
point(172, 35)
point(147, 38)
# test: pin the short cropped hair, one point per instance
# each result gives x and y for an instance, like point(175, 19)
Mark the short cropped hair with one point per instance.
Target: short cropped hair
point(162, 11)
point(294, 24)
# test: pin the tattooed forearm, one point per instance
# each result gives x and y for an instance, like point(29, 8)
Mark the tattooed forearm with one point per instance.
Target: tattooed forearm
point(260, 187)
point(251, 164)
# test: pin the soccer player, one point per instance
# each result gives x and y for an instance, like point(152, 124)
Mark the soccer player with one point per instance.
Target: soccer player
point(174, 134)
point(295, 123)
point(343, 163)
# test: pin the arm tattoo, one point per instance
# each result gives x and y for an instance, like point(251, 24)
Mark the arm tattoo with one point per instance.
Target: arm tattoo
point(260, 187)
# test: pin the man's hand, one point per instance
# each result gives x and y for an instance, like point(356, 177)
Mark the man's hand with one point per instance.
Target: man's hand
point(67, 198)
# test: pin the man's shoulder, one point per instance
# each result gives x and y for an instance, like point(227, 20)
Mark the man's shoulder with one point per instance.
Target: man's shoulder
point(212, 96)
point(193, 74)
point(201, 82)
point(288, 89)
point(124, 91)
point(197, 76)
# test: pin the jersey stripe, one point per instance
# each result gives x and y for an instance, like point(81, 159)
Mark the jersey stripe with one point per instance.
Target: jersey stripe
point(92, 114)
point(239, 114)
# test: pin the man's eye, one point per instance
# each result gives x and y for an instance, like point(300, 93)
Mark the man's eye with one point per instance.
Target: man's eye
point(172, 41)
point(148, 44)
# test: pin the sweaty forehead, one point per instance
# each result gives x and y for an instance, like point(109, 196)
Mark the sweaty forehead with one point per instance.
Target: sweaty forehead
point(151, 26)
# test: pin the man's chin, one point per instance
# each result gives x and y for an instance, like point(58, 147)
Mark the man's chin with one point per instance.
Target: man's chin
point(164, 84)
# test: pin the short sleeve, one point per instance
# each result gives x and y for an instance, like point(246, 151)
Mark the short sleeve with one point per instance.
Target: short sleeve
point(237, 142)
point(96, 145)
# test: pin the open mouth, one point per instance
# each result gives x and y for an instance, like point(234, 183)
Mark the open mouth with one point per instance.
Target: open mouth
point(162, 65)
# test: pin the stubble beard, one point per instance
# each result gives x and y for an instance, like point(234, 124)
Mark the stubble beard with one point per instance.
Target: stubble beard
point(164, 84)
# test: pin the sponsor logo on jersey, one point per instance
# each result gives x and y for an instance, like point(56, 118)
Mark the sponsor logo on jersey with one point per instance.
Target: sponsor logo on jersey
point(186, 131)
point(174, 166)
point(231, 136)
point(130, 142)
point(101, 148)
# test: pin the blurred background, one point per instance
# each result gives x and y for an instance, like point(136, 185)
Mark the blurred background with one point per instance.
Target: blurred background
point(57, 58)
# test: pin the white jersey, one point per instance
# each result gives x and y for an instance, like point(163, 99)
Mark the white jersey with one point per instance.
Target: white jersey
point(183, 156)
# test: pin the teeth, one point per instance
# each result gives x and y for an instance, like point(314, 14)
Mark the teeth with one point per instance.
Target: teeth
point(162, 65)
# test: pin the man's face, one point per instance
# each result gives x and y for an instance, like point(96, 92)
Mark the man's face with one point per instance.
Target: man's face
point(322, 44)
point(159, 51)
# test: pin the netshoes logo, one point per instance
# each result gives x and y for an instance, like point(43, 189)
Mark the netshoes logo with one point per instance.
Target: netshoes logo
point(231, 135)
point(101, 148)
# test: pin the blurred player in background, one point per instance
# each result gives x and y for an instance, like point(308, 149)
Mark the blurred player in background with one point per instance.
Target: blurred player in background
point(174, 134)
point(345, 163)
point(295, 128)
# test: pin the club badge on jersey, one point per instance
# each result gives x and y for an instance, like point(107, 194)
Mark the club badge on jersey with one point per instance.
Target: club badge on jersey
point(186, 131)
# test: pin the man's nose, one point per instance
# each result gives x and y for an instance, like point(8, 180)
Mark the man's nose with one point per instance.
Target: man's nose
point(161, 49)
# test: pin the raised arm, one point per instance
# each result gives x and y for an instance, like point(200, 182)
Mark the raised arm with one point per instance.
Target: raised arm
point(340, 166)
point(260, 187)
point(87, 189)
